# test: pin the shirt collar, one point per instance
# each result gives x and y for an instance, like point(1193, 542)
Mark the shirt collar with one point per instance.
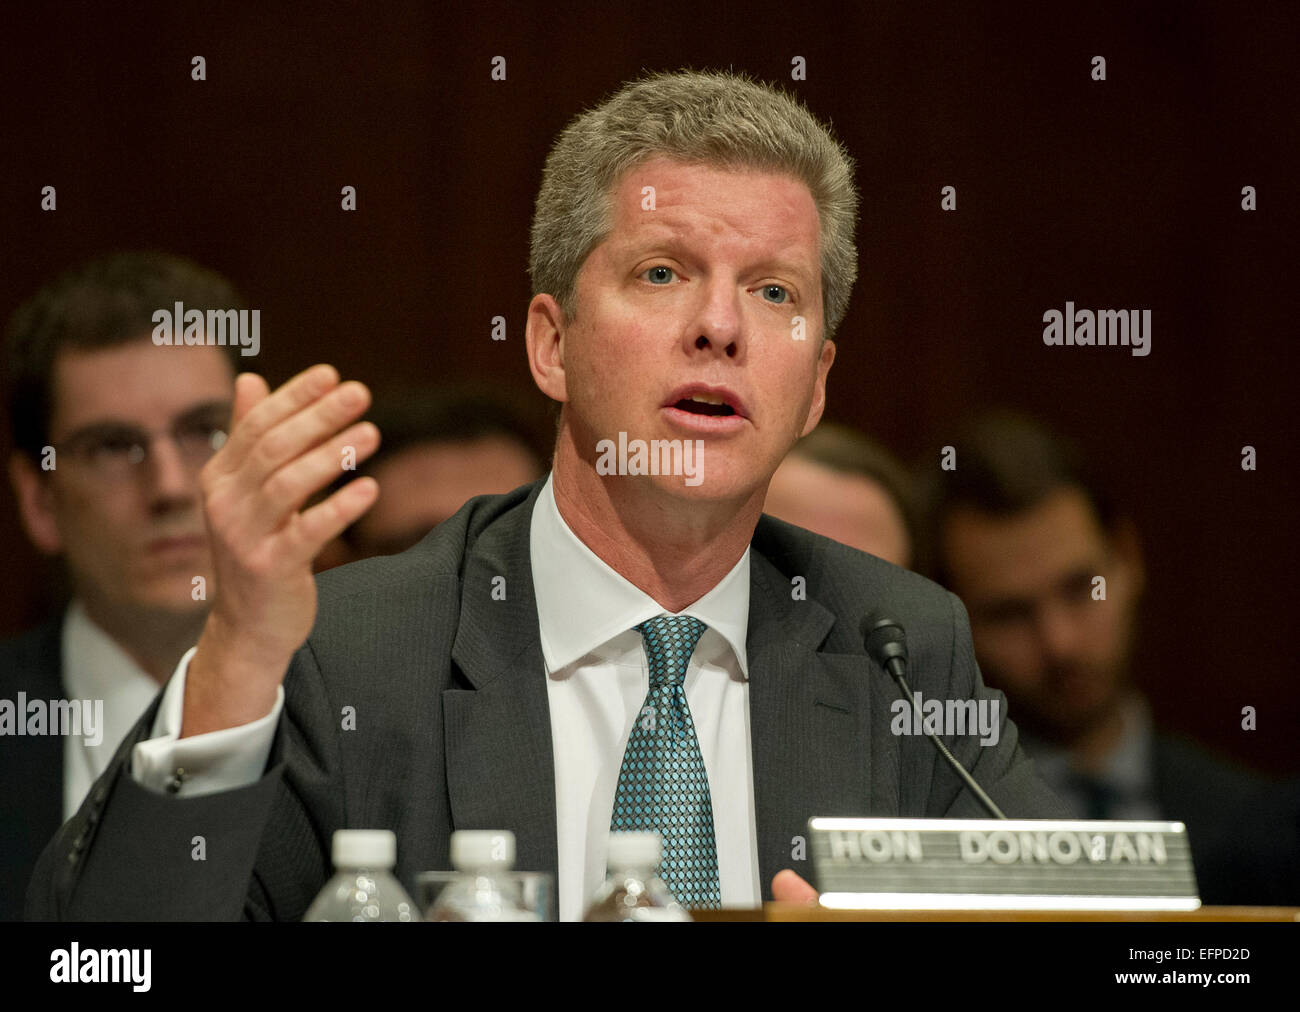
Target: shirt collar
point(96, 667)
point(582, 603)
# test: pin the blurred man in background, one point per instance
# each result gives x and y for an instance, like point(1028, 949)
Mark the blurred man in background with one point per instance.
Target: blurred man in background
point(838, 483)
point(1052, 573)
point(109, 433)
point(441, 447)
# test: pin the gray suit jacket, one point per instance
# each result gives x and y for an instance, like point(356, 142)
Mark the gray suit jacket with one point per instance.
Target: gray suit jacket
point(452, 729)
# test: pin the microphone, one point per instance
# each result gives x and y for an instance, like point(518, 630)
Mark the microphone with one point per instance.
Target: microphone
point(886, 644)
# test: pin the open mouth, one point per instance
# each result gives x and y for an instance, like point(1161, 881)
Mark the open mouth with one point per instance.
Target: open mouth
point(704, 406)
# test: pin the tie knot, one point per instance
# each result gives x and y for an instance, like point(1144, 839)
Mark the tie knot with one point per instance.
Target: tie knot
point(669, 642)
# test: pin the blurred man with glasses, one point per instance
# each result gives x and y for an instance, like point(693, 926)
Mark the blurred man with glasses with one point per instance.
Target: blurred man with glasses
point(109, 434)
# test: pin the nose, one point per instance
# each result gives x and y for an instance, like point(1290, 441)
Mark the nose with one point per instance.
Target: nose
point(1058, 630)
point(717, 323)
point(172, 482)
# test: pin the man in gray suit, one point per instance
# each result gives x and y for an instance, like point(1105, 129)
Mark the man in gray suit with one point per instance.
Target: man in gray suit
point(693, 252)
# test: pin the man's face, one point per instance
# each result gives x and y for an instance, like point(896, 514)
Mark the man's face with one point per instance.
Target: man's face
point(133, 539)
point(699, 296)
point(1040, 636)
point(850, 508)
point(425, 484)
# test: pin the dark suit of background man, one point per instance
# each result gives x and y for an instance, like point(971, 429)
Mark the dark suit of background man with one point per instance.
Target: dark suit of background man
point(494, 672)
point(1020, 530)
point(118, 502)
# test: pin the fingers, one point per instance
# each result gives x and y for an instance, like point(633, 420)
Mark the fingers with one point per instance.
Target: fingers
point(788, 887)
point(296, 435)
point(289, 487)
point(257, 412)
point(328, 519)
point(250, 388)
point(283, 447)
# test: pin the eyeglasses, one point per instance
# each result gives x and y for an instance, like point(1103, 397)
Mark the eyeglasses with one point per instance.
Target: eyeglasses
point(111, 451)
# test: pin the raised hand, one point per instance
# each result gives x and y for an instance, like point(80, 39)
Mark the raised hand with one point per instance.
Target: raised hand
point(283, 447)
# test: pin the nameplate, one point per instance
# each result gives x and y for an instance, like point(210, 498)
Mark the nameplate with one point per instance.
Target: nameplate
point(995, 864)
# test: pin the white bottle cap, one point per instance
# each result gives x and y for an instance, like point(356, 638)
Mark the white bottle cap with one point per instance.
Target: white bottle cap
point(633, 850)
point(365, 848)
point(482, 848)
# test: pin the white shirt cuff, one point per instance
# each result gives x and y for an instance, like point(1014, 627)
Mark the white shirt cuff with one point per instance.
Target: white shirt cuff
point(207, 763)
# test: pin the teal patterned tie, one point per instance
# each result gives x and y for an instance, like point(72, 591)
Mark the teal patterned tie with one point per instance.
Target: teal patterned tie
point(662, 785)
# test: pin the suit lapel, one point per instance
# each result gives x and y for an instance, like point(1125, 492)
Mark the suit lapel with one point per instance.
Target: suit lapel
point(500, 764)
point(809, 721)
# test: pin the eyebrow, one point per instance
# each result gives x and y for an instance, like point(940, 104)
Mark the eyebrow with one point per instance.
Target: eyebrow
point(115, 426)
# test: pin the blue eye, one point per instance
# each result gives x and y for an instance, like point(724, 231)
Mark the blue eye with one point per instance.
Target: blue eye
point(659, 275)
point(778, 294)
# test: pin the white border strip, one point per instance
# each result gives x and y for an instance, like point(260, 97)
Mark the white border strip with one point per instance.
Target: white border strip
point(973, 901)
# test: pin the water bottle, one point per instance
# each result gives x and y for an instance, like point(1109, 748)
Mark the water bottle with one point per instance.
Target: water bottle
point(483, 891)
point(633, 892)
point(364, 887)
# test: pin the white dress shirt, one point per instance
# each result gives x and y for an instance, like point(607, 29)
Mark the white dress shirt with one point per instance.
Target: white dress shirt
point(597, 678)
point(597, 681)
point(96, 668)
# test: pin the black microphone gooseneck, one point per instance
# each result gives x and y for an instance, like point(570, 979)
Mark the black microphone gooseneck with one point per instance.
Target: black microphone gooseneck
point(887, 645)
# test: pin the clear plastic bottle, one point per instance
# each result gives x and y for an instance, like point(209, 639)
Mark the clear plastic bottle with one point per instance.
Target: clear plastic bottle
point(482, 891)
point(633, 892)
point(364, 887)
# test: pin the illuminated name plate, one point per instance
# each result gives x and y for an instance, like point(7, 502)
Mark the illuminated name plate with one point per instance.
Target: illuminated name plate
point(1014, 864)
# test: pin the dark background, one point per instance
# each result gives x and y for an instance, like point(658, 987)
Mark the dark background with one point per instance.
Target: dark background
point(1117, 194)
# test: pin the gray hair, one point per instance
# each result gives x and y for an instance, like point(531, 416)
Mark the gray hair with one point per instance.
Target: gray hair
point(712, 118)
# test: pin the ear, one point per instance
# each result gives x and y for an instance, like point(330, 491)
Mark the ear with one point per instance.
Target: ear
point(35, 498)
point(544, 335)
point(818, 404)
